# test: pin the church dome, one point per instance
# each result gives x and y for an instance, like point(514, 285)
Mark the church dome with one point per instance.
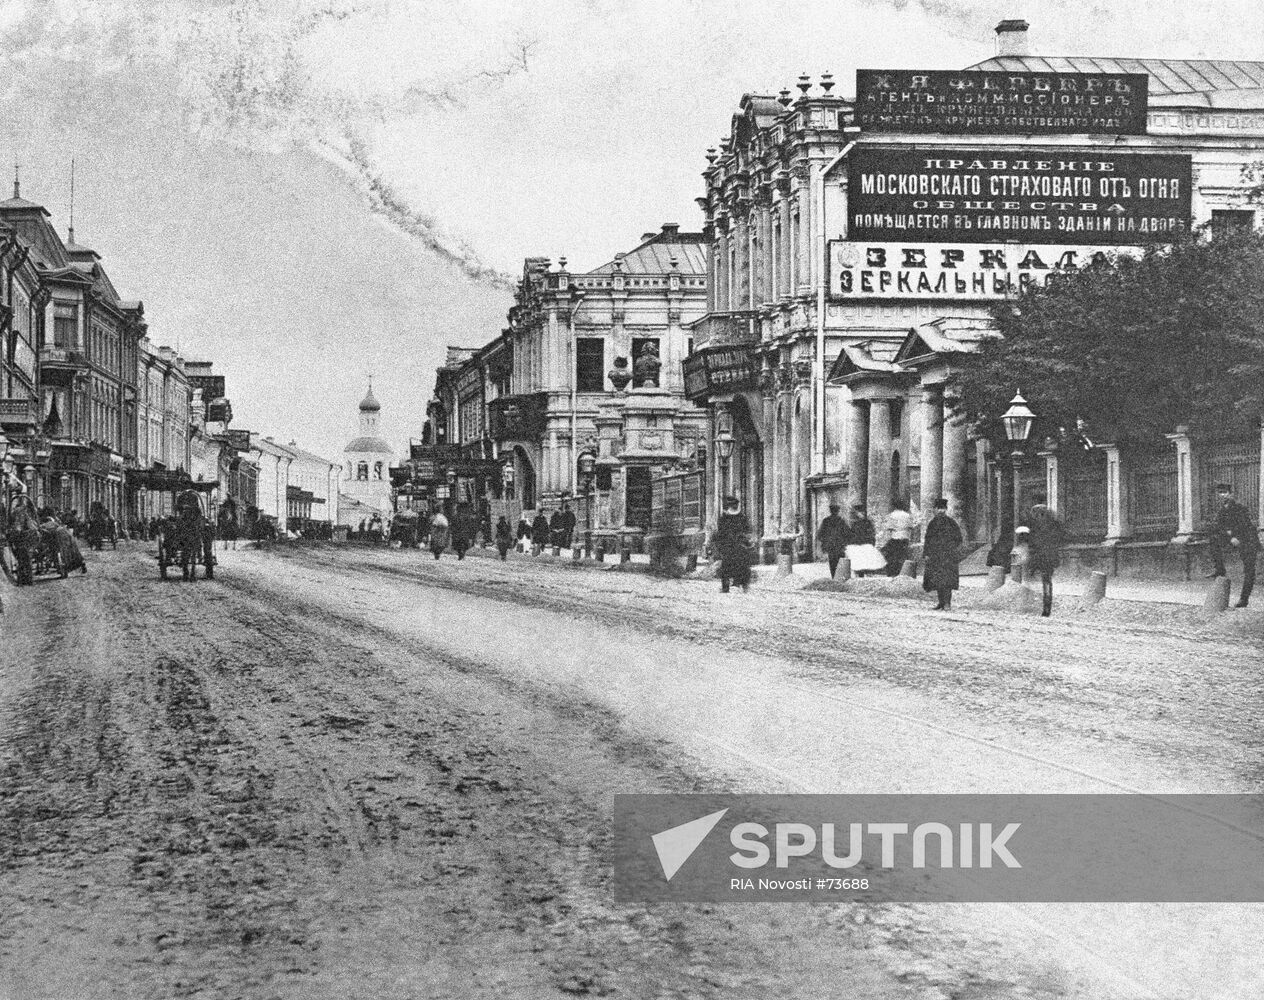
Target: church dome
point(369, 403)
point(367, 444)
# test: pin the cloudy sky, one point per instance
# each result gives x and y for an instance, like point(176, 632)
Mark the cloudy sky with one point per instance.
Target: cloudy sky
point(306, 191)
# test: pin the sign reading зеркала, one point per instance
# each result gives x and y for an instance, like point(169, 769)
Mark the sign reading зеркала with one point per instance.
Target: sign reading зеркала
point(995, 102)
point(1001, 194)
point(966, 271)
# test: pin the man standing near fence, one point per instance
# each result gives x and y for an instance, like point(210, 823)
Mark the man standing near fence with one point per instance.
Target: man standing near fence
point(1233, 529)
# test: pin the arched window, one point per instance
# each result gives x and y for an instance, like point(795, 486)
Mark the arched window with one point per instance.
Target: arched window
point(377, 470)
point(362, 470)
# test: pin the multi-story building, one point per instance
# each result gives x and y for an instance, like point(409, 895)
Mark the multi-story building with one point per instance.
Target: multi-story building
point(850, 264)
point(23, 299)
point(86, 341)
point(582, 398)
point(162, 418)
point(312, 489)
point(273, 462)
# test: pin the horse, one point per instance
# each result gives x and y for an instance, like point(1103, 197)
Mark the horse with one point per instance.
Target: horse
point(186, 537)
point(24, 538)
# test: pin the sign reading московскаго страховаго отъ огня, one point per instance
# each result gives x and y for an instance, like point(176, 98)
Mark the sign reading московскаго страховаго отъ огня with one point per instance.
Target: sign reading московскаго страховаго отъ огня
point(1000, 102)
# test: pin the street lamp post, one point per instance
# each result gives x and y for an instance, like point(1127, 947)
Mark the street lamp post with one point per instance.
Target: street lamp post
point(1017, 421)
point(724, 449)
point(588, 473)
point(64, 496)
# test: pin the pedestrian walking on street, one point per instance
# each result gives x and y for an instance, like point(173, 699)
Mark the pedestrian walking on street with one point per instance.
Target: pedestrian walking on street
point(1233, 529)
point(464, 529)
point(899, 529)
point(861, 550)
point(504, 538)
point(732, 542)
point(524, 533)
point(1045, 538)
point(833, 537)
point(438, 534)
point(539, 534)
point(941, 549)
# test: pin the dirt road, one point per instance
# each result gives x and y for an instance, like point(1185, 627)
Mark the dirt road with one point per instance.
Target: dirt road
point(336, 773)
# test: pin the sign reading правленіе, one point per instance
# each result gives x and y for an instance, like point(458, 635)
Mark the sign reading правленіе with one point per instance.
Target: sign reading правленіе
point(998, 102)
point(967, 271)
point(1034, 195)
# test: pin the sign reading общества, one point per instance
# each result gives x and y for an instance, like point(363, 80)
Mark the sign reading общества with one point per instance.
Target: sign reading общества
point(1001, 194)
point(997, 102)
point(967, 271)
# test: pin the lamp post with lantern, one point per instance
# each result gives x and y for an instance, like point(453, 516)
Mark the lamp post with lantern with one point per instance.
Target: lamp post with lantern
point(724, 448)
point(587, 465)
point(1017, 421)
point(63, 498)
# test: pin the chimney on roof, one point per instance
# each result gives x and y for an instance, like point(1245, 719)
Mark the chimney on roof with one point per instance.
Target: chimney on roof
point(671, 230)
point(646, 237)
point(1011, 38)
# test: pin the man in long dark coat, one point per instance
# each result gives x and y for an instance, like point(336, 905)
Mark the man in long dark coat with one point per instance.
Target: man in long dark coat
point(539, 533)
point(1233, 527)
point(1044, 543)
point(464, 529)
point(833, 537)
point(941, 549)
point(731, 540)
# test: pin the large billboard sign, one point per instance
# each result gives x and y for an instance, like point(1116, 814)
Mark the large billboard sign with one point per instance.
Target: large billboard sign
point(963, 271)
point(1030, 195)
point(1000, 102)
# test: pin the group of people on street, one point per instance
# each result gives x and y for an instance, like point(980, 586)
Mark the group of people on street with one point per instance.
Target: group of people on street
point(558, 530)
point(856, 540)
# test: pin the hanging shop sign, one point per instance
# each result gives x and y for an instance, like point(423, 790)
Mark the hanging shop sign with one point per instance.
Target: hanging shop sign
point(1033, 195)
point(719, 369)
point(965, 271)
point(992, 102)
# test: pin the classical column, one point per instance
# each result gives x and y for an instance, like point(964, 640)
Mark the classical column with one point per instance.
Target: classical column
point(954, 481)
point(857, 451)
point(878, 499)
point(1052, 479)
point(1117, 527)
point(1184, 484)
point(932, 470)
point(785, 428)
point(767, 438)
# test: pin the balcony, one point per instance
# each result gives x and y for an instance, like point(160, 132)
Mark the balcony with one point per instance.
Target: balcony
point(722, 329)
point(518, 418)
point(18, 413)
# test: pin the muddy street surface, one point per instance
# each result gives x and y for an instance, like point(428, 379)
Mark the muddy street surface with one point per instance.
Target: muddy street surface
point(343, 772)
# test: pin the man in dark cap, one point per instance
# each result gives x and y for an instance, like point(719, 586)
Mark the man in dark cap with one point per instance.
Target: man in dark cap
point(833, 537)
point(1233, 529)
point(941, 549)
point(732, 543)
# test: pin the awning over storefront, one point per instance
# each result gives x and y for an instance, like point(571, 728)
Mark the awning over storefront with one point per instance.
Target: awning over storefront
point(162, 480)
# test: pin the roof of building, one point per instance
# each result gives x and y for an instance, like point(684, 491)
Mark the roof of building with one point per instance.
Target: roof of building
point(368, 444)
point(655, 253)
point(18, 204)
point(1168, 77)
point(369, 403)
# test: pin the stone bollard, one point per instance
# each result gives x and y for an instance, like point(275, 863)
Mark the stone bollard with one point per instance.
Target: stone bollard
point(1217, 595)
point(577, 554)
point(691, 562)
point(601, 553)
point(908, 569)
point(1016, 573)
point(996, 578)
point(1095, 590)
point(625, 554)
point(557, 551)
point(785, 563)
point(843, 572)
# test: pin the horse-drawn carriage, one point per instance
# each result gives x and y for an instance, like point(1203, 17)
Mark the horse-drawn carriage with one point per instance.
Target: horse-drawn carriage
point(102, 527)
point(187, 537)
point(40, 545)
point(405, 529)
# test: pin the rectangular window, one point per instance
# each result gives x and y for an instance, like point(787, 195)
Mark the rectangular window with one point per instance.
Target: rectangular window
point(639, 345)
point(65, 324)
point(590, 363)
point(1232, 220)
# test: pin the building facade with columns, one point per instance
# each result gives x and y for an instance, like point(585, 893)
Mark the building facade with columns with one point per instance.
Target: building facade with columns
point(836, 312)
point(584, 393)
